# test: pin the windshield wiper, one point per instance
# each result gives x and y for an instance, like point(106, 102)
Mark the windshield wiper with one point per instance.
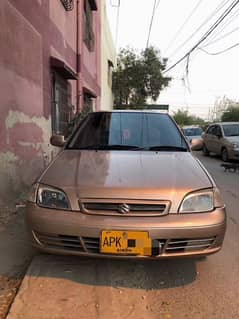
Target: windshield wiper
point(168, 148)
point(110, 147)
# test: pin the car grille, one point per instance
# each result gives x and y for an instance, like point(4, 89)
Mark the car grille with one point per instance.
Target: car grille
point(73, 243)
point(92, 244)
point(193, 244)
point(122, 208)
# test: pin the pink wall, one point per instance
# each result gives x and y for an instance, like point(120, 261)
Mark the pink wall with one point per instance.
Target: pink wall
point(31, 32)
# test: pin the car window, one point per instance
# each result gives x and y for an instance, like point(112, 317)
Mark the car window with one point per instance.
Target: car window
point(194, 131)
point(210, 129)
point(231, 129)
point(143, 130)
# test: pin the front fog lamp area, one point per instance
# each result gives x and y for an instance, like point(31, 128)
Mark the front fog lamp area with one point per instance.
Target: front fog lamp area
point(52, 198)
point(198, 203)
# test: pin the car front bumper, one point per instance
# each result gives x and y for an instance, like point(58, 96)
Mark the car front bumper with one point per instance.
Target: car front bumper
point(76, 233)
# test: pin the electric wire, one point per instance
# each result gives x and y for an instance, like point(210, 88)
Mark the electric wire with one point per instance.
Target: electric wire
point(218, 8)
point(183, 25)
point(206, 35)
point(220, 52)
point(220, 38)
point(214, 38)
point(155, 6)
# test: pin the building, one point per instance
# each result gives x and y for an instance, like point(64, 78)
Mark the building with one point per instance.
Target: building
point(108, 61)
point(50, 70)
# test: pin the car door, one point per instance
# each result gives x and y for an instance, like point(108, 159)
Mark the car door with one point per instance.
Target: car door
point(218, 139)
point(209, 138)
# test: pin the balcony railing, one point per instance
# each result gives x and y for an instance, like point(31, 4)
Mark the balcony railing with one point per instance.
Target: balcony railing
point(68, 4)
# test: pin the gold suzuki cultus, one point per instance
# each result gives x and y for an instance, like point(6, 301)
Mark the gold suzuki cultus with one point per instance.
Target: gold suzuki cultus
point(126, 185)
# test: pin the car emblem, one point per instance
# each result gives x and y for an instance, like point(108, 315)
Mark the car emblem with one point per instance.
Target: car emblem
point(124, 209)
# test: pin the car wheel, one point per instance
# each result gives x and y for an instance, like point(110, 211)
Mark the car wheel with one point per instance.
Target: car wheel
point(224, 155)
point(205, 150)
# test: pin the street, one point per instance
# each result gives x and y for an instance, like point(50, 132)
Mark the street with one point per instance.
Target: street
point(70, 287)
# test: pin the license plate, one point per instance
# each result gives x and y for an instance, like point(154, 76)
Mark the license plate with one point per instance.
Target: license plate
point(126, 243)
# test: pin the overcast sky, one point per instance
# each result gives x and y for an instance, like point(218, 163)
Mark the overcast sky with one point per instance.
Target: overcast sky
point(175, 21)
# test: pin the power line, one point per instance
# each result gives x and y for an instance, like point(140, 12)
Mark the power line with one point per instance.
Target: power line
point(220, 38)
point(155, 6)
point(183, 25)
point(218, 8)
point(222, 27)
point(219, 52)
point(206, 35)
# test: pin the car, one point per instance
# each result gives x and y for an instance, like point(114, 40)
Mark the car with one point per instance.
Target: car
point(222, 139)
point(126, 185)
point(194, 135)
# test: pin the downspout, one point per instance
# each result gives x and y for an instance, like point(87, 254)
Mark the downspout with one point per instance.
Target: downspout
point(77, 58)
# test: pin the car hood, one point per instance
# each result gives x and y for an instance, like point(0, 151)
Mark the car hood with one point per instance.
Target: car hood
point(126, 174)
point(233, 139)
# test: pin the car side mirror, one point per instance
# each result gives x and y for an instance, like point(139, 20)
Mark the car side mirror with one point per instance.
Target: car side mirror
point(196, 144)
point(219, 135)
point(57, 140)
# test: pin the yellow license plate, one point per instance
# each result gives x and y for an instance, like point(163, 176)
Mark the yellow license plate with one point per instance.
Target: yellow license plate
point(126, 243)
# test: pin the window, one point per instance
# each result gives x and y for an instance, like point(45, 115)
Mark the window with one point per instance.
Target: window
point(127, 129)
point(68, 4)
point(210, 129)
point(110, 69)
point(62, 110)
point(89, 37)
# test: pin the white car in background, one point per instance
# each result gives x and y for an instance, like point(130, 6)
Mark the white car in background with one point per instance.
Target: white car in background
point(194, 136)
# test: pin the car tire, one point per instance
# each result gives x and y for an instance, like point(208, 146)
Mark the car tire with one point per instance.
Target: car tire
point(224, 155)
point(205, 150)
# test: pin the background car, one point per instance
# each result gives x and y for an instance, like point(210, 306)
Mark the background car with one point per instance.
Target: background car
point(222, 139)
point(194, 136)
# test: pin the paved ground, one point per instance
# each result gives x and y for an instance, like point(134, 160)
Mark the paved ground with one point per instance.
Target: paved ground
point(72, 288)
point(15, 256)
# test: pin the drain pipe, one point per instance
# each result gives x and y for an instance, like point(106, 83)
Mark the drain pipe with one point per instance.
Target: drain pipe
point(77, 57)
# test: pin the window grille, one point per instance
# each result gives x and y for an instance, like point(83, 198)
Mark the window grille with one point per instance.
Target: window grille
point(68, 4)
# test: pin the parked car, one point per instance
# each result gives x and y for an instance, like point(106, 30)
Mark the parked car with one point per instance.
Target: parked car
point(222, 139)
point(126, 185)
point(194, 136)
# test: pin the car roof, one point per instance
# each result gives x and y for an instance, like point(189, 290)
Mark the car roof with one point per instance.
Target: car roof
point(191, 126)
point(224, 123)
point(132, 111)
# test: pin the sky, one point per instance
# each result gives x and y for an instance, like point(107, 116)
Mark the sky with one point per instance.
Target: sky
point(177, 26)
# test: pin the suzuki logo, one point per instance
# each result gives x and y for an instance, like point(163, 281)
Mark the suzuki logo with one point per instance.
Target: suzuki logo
point(124, 209)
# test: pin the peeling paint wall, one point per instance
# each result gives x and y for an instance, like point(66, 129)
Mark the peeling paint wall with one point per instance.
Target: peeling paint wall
point(30, 33)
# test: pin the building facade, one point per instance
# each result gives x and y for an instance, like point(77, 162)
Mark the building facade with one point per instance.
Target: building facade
point(50, 70)
point(108, 61)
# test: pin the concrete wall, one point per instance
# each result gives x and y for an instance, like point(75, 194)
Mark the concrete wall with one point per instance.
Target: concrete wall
point(108, 53)
point(30, 32)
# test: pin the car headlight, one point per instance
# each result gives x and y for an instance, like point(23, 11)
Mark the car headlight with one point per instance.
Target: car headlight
point(50, 197)
point(198, 202)
point(235, 145)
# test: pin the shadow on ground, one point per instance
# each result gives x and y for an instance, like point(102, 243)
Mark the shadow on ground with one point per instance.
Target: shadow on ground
point(147, 275)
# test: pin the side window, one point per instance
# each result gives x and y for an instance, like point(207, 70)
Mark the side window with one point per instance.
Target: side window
point(89, 37)
point(210, 129)
point(62, 110)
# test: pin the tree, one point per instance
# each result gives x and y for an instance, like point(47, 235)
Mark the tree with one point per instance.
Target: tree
point(183, 118)
point(138, 77)
point(231, 114)
point(223, 106)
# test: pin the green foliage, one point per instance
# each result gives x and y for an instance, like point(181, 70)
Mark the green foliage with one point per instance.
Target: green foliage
point(183, 118)
point(231, 114)
point(138, 77)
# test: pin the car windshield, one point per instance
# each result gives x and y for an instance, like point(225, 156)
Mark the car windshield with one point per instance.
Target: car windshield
point(195, 131)
point(231, 129)
point(128, 131)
